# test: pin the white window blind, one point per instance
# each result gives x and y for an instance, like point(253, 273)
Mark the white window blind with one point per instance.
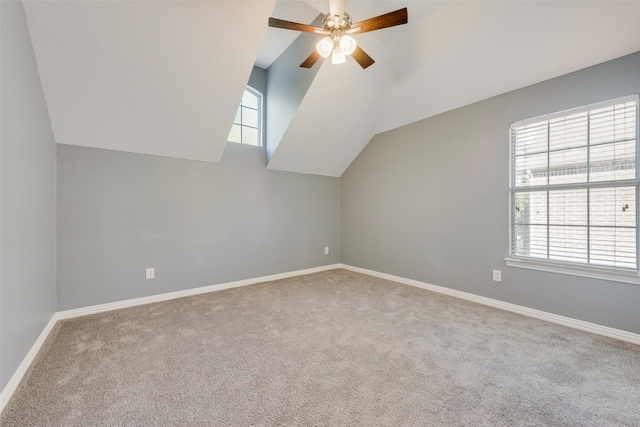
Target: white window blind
point(574, 186)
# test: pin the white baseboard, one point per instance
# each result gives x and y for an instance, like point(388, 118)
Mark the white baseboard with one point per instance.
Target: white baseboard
point(68, 314)
point(526, 311)
point(13, 383)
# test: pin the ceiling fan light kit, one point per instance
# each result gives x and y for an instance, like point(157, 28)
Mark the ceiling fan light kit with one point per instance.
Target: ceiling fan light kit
point(337, 29)
point(347, 44)
point(338, 57)
point(338, 47)
point(325, 47)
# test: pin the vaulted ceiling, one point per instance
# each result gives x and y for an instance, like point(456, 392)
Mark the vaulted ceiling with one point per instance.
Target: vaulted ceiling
point(165, 77)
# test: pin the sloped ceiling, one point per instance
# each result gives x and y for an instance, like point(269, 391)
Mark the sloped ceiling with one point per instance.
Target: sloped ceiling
point(325, 140)
point(464, 52)
point(152, 77)
point(275, 42)
point(450, 54)
point(165, 77)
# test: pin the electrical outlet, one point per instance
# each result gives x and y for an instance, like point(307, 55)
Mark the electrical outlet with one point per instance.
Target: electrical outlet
point(326, 250)
point(150, 273)
point(497, 276)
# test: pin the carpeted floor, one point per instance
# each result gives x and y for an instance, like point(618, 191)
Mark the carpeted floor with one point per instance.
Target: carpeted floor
point(332, 348)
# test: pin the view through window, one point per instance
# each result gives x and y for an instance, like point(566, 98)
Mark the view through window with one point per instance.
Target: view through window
point(574, 186)
point(247, 125)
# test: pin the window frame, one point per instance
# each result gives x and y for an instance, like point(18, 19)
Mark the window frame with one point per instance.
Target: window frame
point(260, 113)
point(618, 274)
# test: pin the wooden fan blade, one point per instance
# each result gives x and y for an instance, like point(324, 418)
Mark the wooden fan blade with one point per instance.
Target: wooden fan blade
point(387, 20)
point(362, 58)
point(312, 59)
point(288, 25)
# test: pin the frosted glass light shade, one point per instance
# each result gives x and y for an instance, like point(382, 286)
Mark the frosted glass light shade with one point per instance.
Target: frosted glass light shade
point(338, 56)
point(324, 47)
point(347, 44)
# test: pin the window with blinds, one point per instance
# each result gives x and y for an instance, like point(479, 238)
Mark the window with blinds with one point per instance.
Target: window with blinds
point(247, 125)
point(574, 186)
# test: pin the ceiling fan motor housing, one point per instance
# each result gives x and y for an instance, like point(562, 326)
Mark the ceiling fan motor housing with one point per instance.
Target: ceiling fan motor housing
point(332, 23)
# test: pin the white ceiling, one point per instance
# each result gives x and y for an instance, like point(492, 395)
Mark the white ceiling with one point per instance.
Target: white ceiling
point(165, 77)
point(464, 52)
point(325, 140)
point(275, 41)
point(152, 77)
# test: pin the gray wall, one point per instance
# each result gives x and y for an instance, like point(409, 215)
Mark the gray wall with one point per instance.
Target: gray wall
point(287, 84)
point(28, 185)
point(429, 201)
point(258, 80)
point(196, 223)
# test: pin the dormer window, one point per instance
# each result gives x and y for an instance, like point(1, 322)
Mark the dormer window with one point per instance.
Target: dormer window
point(247, 125)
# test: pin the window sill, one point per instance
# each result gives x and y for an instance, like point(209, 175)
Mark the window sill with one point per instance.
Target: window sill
point(602, 273)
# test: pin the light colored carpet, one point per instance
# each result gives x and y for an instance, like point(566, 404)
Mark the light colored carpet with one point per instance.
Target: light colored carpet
point(333, 348)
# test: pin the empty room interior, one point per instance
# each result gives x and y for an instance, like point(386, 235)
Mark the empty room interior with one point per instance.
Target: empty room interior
point(284, 212)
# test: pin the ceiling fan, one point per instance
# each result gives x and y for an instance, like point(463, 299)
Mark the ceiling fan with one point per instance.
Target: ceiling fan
point(337, 27)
